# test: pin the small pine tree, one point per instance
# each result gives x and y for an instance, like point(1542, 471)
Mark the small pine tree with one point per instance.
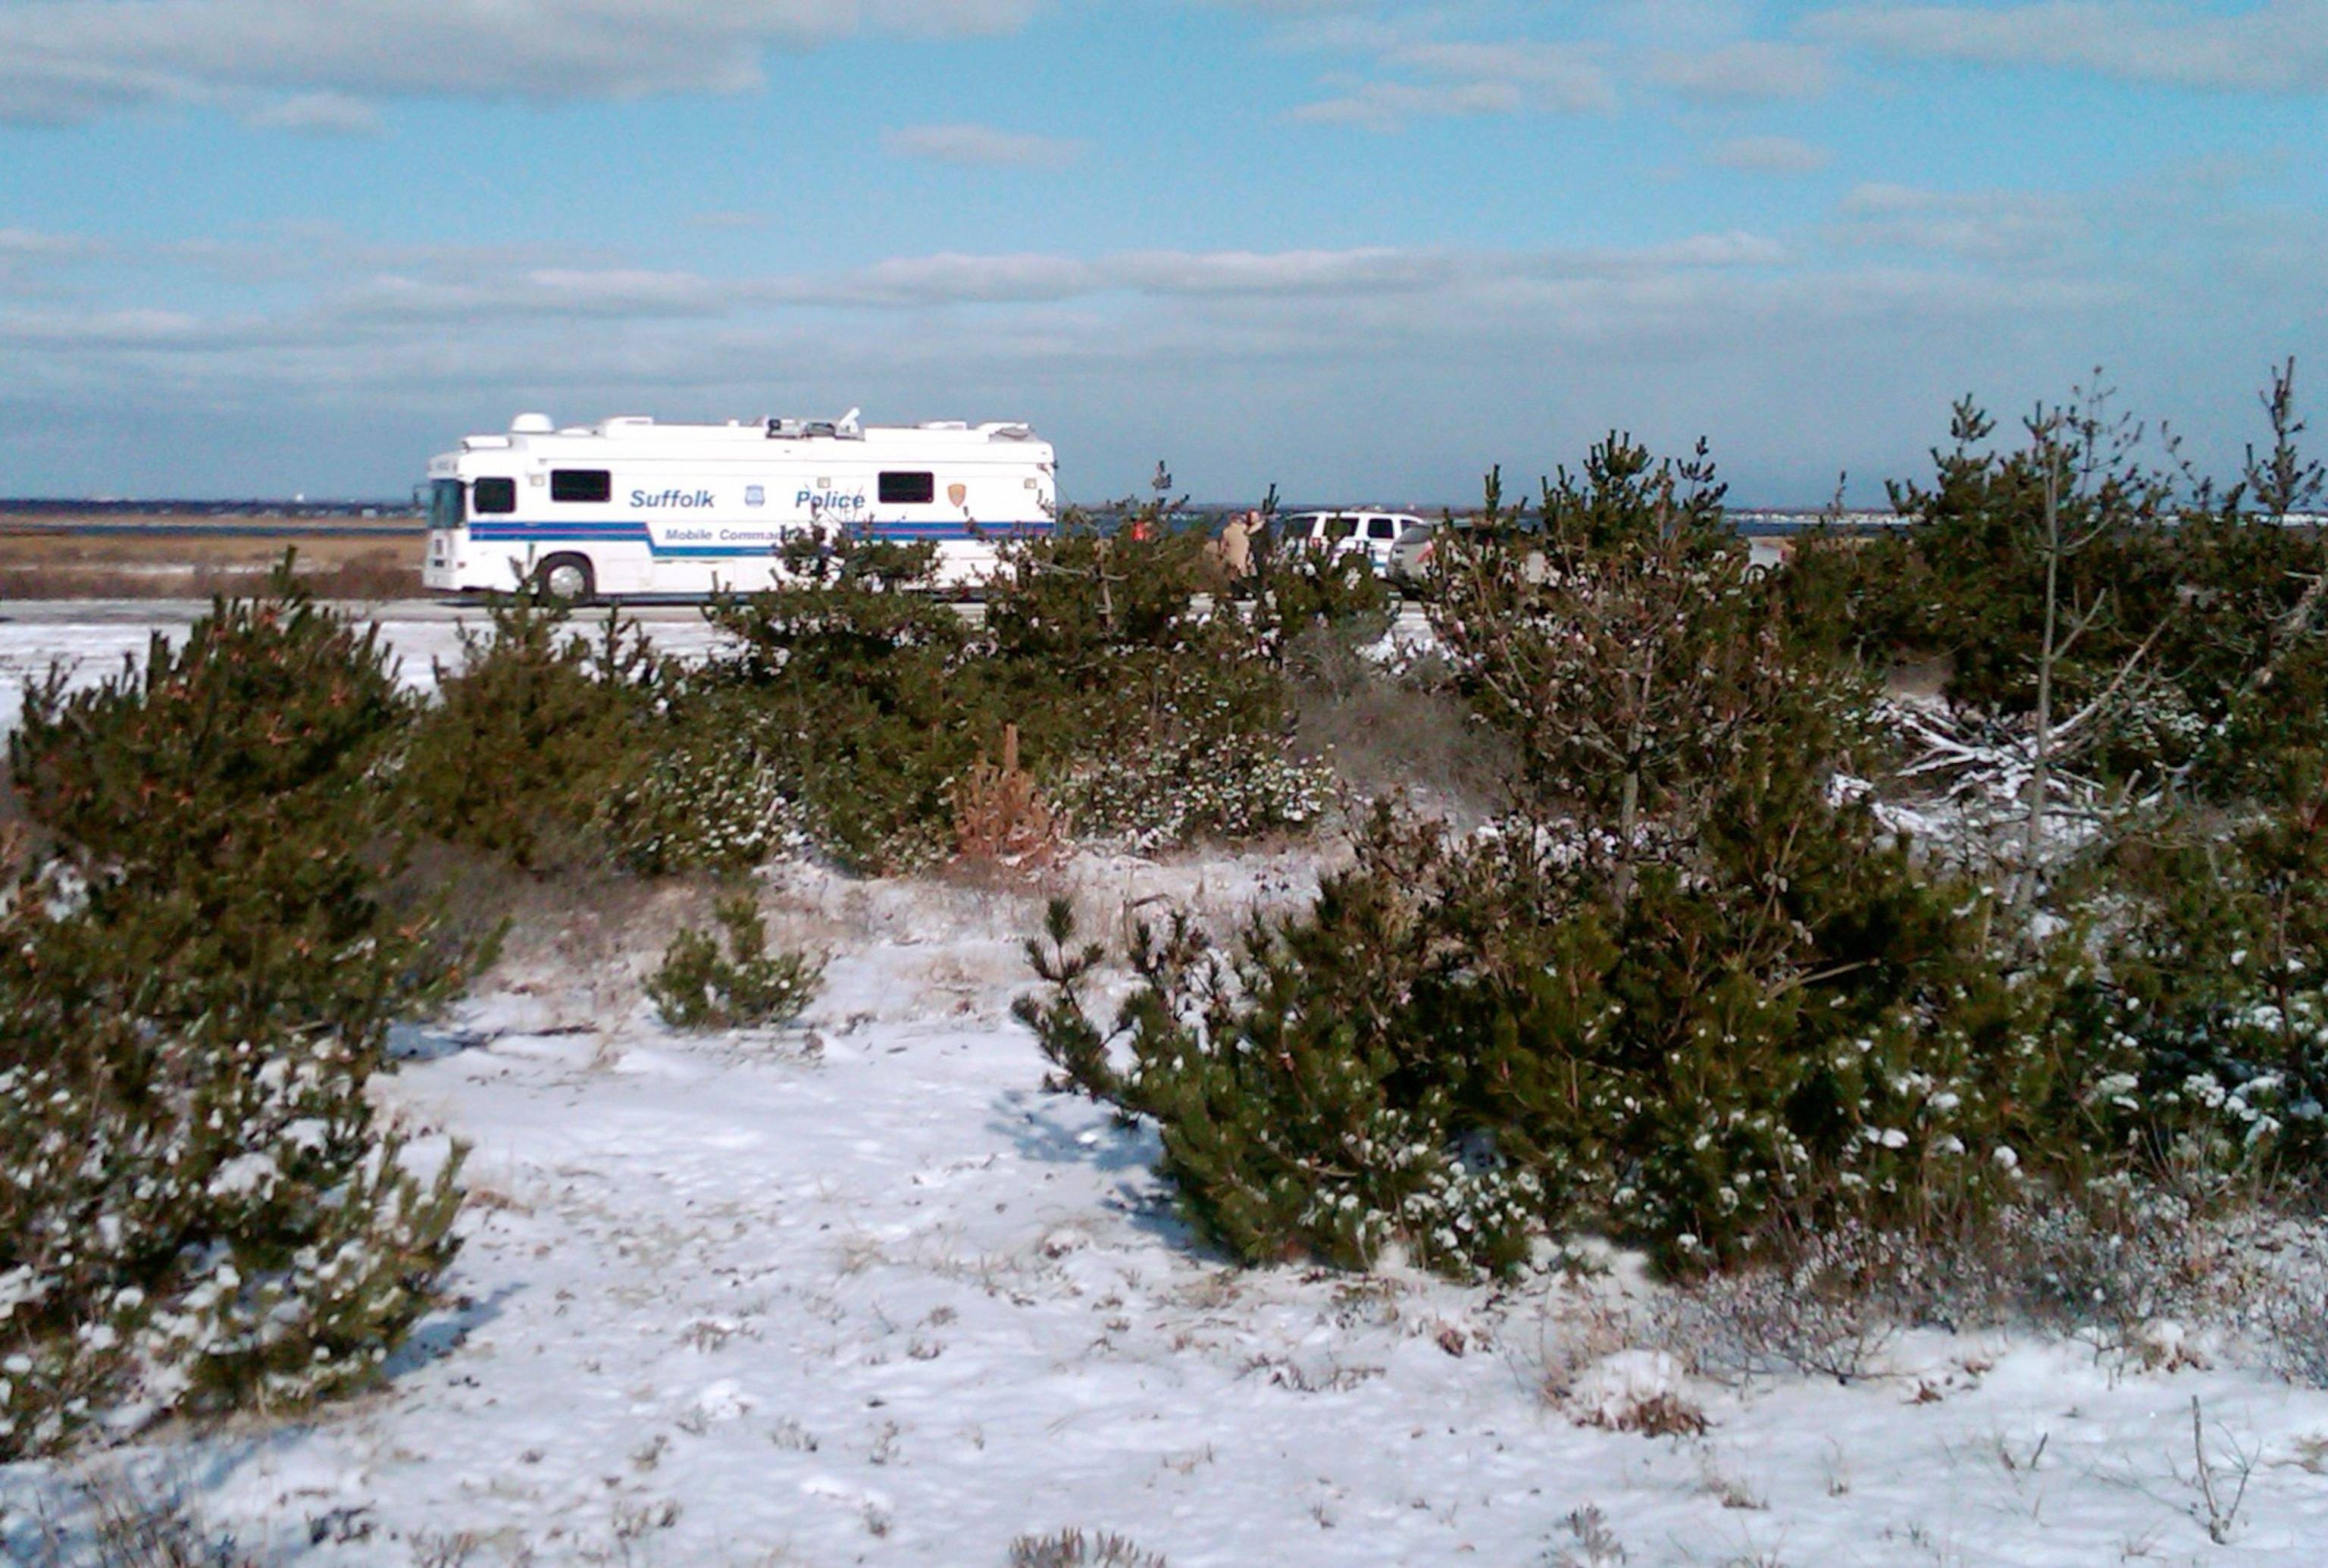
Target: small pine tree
point(852, 685)
point(533, 733)
point(196, 980)
point(699, 988)
point(2217, 977)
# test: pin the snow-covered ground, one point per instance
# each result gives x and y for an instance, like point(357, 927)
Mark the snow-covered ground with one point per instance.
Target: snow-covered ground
point(859, 1291)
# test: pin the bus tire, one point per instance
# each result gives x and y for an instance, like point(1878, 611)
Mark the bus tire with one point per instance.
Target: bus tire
point(567, 577)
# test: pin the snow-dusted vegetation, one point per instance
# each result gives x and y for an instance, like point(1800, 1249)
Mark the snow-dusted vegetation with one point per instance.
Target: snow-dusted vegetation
point(1811, 1067)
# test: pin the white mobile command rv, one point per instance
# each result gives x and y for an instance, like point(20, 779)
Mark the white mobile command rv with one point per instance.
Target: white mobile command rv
point(630, 507)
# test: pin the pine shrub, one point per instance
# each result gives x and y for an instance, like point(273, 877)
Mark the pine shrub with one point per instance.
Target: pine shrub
point(852, 685)
point(2190, 620)
point(2215, 990)
point(704, 789)
point(1684, 993)
point(1459, 1046)
point(1299, 590)
point(201, 1208)
point(1145, 710)
point(534, 732)
point(699, 987)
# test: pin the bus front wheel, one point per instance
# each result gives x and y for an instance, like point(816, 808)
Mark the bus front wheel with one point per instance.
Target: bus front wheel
point(567, 578)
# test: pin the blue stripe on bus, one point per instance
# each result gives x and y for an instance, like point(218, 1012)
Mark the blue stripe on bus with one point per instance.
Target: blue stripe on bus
point(566, 531)
point(636, 532)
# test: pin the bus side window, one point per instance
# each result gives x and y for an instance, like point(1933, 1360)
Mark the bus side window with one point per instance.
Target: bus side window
point(488, 495)
point(908, 488)
point(581, 484)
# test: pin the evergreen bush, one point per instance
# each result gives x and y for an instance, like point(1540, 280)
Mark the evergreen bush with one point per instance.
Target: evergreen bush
point(535, 733)
point(201, 1206)
point(1145, 709)
point(699, 988)
point(1459, 1046)
point(2151, 629)
point(1169, 707)
point(856, 693)
point(702, 789)
point(1686, 993)
point(2215, 985)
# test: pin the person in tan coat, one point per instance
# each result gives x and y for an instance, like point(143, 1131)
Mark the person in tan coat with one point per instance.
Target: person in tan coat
point(1234, 547)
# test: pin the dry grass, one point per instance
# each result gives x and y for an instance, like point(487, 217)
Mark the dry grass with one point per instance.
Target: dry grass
point(1383, 731)
point(54, 560)
point(114, 1518)
point(1071, 1548)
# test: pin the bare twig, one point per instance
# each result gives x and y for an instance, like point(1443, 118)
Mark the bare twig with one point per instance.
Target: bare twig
point(2085, 715)
point(2220, 1521)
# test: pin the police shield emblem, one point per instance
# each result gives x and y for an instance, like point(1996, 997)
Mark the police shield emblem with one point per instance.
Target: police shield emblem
point(956, 493)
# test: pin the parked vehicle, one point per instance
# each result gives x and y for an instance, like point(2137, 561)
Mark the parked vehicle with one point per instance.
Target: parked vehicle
point(630, 507)
point(1409, 566)
point(1413, 553)
point(1368, 533)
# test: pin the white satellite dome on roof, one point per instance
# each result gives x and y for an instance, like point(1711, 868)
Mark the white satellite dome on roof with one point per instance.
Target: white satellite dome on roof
point(532, 425)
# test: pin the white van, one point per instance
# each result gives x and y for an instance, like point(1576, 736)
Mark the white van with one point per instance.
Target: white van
point(1368, 533)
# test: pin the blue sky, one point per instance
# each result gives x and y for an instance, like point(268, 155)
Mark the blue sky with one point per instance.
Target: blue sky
point(1361, 250)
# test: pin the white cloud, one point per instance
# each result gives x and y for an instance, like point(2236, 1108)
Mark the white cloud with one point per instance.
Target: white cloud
point(981, 147)
point(1555, 76)
point(1995, 226)
point(70, 58)
point(625, 293)
point(1464, 77)
point(30, 258)
point(1336, 279)
point(2280, 46)
point(1747, 70)
point(1769, 156)
point(319, 113)
point(1387, 105)
point(946, 279)
point(1365, 270)
point(31, 244)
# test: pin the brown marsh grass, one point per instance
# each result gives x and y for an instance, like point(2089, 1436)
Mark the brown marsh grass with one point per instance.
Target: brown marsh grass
point(51, 558)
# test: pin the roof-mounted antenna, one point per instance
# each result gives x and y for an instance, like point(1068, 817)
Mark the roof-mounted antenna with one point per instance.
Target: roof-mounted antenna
point(846, 426)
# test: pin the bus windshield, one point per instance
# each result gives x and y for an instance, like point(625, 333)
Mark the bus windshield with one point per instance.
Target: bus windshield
point(445, 504)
